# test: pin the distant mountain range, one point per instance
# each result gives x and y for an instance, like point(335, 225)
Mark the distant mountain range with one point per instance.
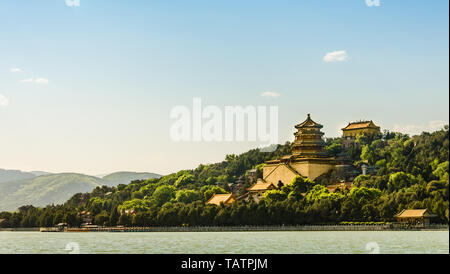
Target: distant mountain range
point(13, 175)
point(120, 177)
point(39, 188)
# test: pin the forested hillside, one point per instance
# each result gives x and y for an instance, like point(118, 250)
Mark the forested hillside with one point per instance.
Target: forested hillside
point(412, 173)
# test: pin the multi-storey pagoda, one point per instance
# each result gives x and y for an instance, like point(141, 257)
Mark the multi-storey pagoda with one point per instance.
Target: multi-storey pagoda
point(308, 159)
point(308, 140)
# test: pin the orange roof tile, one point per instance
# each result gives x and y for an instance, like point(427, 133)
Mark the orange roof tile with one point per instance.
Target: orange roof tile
point(308, 123)
point(220, 198)
point(261, 186)
point(412, 213)
point(360, 125)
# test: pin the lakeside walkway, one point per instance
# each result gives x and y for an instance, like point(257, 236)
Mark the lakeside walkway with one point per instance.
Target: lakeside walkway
point(384, 227)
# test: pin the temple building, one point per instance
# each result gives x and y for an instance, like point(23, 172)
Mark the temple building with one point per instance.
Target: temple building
point(414, 217)
point(308, 159)
point(358, 128)
point(257, 190)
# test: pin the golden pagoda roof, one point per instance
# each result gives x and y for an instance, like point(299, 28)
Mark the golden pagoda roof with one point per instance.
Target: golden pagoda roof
point(308, 123)
point(360, 125)
point(220, 198)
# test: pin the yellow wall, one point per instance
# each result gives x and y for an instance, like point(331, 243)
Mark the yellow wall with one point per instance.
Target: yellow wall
point(273, 174)
point(354, 132)
point(312, 170)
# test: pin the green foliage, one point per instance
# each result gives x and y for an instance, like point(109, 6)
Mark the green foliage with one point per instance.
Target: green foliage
point(187, 196)
point(274, 196)
point(102, 218)
point(334, 149)
point(441, 171)
point(319, 192)
point(114, 216)
point(401, 180)
point(137, 205)
point(72, 219)
point(209, 191)
point(125, 220)
point(163, 194)
point(300, 185)
point(363, 195)
point(367, 154)
point(184, 180)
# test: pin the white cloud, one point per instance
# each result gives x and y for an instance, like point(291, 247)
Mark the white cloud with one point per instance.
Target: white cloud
point(270, 94)
point(16, 70)
point(37, 81)
point(3, 101)
point(41, 81)
point(418, 129)
point(335, 56)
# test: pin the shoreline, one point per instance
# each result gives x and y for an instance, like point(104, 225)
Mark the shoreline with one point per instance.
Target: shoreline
point(439, 227)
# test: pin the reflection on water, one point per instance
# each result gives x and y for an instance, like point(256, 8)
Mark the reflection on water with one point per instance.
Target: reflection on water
point(228, 242)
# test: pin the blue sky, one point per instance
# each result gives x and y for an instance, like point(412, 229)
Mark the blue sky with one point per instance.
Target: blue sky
point(110, 71)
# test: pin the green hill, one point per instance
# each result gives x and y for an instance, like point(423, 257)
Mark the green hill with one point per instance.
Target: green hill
point(13, 175)
point(56, 188)
point(120, 177)
point(44, 190)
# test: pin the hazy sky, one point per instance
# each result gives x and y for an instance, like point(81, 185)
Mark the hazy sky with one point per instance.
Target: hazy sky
point(89, 88)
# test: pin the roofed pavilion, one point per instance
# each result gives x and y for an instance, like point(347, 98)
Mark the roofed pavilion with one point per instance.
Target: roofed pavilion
point(355, 128)
point(308, 139)
point(414, 216)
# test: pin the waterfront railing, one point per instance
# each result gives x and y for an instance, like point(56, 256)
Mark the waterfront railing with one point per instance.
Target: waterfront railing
point(317, 227)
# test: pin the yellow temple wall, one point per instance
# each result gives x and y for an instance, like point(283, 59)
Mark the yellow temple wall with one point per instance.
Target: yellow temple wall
point(312, 170)
point(280, 172)
point(268, 168)
point(354, 132)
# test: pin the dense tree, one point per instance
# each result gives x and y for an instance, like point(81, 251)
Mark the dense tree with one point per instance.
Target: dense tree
point(163, 194)
point(114, 216)
point(187, 196)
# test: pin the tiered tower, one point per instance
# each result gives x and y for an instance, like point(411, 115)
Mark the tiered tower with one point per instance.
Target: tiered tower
point(308, 159)
point(308, 140)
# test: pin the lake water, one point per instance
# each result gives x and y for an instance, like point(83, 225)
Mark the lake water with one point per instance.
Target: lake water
point(301, 242)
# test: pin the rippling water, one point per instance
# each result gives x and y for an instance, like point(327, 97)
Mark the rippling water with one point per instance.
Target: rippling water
point(228, 242)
